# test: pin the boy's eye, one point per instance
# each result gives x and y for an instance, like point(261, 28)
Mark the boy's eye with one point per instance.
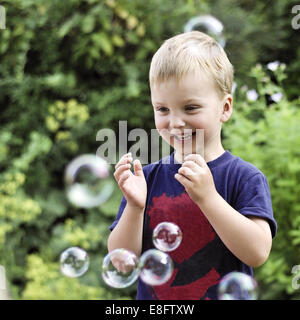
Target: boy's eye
point(162, 109)
point(187, 108)
point(190, 108)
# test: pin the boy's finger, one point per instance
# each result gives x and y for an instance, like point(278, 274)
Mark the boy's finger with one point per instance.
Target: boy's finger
point(125, 159)
point(121, 169)
point(197, 158)
point(124, 176)
point(138, 169)
point(189, 163)
point(187, 172)
point(183, 180)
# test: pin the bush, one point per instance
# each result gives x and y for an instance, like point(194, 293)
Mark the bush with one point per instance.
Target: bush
point(70, 68)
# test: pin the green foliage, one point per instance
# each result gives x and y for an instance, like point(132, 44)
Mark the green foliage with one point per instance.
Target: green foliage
point(46, 282)
point(71, 68)
point(267, 135)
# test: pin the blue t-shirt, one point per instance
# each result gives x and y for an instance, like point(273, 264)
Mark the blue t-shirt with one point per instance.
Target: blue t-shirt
point(202, 259)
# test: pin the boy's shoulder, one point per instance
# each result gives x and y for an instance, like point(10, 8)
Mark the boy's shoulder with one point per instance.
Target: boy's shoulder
point(234, 166)
point(245, 167)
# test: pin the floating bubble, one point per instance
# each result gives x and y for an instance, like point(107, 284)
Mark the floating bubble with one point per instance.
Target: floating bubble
point(74, 262)
point(237, 286)
point(156, 267)
point(167, 236)
point(120, 268)
point(209, 25)
point(88, 182)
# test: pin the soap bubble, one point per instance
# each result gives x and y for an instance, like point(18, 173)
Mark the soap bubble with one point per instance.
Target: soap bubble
point(87, 181)
point(120, 268)
point(237, 286)
point(74, 262)
point(156, 267)
point(167, 236)
point(209, 25)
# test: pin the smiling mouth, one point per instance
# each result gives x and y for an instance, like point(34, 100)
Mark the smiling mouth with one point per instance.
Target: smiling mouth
point(184, 137)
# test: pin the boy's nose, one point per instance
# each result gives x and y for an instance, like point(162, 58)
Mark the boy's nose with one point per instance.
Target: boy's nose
point(176, 122)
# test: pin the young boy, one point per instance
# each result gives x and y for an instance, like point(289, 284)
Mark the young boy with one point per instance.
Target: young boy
point(221, 203)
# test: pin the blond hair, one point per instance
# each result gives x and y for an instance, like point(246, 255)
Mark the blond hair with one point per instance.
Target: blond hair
point(188, 52)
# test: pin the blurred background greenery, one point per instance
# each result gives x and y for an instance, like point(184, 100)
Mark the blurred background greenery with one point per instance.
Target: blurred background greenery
point(70, 68)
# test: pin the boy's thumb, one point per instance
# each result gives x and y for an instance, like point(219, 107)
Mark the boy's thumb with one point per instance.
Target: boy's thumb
point(138, 169)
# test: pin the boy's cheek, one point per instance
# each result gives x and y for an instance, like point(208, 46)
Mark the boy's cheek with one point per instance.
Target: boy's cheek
point(164, 133)
point(159, 123)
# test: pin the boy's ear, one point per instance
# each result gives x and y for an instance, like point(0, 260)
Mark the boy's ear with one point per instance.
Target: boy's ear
point(227, 108)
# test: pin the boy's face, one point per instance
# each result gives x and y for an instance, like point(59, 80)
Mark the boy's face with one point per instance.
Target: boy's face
point(182, 107)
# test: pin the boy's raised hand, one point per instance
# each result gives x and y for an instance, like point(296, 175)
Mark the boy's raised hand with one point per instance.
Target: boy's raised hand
point(196, 177)
point(133, 186)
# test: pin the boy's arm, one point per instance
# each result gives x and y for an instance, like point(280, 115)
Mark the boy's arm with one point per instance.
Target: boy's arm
point(129, 231)
point(249, 239)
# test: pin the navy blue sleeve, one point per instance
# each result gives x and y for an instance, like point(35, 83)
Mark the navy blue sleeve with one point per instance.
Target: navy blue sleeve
point(119, 214)
point(254, 199)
